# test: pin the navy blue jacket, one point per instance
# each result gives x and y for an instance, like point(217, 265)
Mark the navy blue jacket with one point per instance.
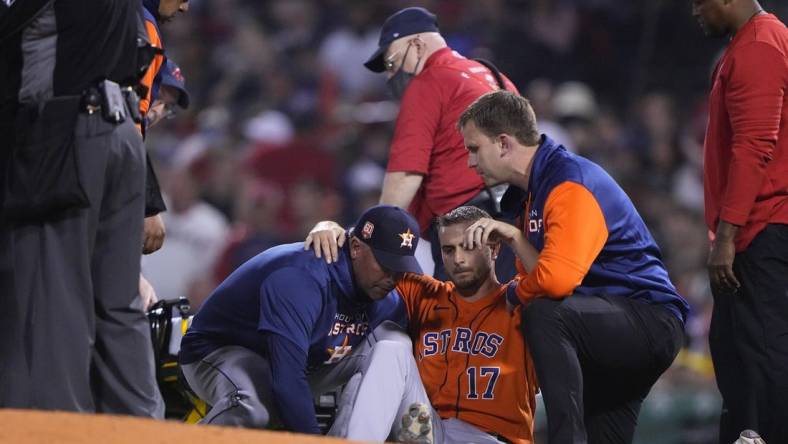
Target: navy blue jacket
point(297, 311)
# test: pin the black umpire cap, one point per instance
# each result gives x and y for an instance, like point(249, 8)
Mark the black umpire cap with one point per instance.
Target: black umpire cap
point(402, 23)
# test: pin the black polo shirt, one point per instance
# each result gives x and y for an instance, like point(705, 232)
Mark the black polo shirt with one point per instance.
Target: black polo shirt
point(52, 48)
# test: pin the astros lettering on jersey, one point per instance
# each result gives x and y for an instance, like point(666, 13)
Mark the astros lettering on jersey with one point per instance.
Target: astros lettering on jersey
point(471, 357)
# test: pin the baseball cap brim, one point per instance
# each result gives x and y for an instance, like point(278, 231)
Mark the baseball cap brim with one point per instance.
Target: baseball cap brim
point(183, 95)
point(375, 62)
point(397, 263)
point(183, 98)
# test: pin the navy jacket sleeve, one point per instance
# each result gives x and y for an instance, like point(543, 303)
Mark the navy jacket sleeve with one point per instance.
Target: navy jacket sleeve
point(290, 388)
point(290, 304)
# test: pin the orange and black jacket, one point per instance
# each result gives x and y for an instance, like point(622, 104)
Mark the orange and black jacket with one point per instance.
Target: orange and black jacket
point(590, 237)
point(154, 203)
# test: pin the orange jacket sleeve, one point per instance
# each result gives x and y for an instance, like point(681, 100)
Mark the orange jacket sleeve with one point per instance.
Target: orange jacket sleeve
point(153, 69)
point(575, 232)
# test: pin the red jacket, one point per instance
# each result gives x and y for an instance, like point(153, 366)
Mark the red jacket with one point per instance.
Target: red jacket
point(426, 138)
point(746, 147)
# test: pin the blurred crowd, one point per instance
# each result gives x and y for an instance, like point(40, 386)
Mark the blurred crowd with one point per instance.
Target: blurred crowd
point(287, 128)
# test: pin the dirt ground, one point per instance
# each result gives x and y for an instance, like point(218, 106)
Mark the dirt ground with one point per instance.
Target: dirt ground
point(38, 427)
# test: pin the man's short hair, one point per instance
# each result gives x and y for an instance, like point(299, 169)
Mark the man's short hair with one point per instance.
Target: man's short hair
point(459, 215)
point(500, 112)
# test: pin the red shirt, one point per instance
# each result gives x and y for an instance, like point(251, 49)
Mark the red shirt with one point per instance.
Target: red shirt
point(426, 139)
point(746, 147)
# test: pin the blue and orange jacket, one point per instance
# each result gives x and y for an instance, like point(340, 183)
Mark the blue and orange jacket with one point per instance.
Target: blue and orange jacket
point(154, 35)
point(590, 237)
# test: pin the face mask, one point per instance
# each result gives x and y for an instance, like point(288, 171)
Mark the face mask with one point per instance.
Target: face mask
point(400, 80)
point(398, 83)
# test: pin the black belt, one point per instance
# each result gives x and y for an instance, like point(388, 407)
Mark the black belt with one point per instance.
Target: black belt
point(113, 101)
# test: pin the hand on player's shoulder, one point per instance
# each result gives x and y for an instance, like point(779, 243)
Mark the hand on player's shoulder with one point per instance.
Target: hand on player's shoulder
point(325, 240)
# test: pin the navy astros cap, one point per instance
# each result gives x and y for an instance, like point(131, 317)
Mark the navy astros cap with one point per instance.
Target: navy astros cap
point(392, 234)
point(402, 23)
point(171, 76)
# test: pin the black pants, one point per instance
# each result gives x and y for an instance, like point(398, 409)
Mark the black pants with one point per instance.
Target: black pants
point(749, 341)
point(596, 358)
point(74, 336)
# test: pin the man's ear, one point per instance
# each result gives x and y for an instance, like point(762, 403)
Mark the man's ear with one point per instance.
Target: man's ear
point(421, 46)
point(506, 144)
point(355, 247)
point(495, 249)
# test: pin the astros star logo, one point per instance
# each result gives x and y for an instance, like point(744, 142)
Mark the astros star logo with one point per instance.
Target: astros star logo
point(336, 354)
point(407, 239)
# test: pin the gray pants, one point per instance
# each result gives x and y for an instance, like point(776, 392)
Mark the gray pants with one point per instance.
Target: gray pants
point(378, 395)
point(384, 385)
point(74, 336)
point(236, 381)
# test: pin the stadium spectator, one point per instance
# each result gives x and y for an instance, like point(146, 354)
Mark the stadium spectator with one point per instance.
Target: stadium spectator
point(255, 229)
point(196, 232)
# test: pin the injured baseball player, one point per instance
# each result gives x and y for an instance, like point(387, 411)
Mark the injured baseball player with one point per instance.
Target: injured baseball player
point(467, 349)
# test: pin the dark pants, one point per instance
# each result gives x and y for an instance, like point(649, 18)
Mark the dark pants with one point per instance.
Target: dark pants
point(74, 336)
point(596, 358)
point(749, 341)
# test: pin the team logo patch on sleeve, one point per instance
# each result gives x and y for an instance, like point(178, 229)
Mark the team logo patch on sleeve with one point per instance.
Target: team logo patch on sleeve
point(407, 239)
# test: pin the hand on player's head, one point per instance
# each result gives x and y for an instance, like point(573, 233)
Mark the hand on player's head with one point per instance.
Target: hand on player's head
point(486, 231)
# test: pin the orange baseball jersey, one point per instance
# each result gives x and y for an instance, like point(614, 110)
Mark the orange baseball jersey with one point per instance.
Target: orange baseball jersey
point(471, 357)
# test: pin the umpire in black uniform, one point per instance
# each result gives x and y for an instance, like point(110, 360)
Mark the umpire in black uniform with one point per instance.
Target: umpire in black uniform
point(72, 333)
